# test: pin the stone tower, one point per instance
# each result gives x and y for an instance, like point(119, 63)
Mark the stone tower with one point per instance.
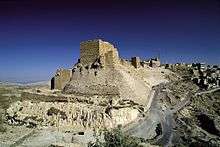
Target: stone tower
point(92, 50)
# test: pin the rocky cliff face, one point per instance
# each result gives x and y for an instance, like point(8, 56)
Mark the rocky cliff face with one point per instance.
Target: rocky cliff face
point(70, 115)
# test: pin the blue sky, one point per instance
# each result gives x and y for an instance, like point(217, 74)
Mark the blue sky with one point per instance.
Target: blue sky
point(37, 37)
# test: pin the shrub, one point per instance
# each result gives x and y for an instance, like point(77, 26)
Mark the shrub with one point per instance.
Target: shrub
point(116, 138)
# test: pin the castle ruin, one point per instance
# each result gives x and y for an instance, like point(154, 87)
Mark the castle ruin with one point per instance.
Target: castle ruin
point(100, 71)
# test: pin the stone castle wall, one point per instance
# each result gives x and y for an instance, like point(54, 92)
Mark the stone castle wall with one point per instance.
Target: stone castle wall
point(135, 61)
point(93, 82)
point(61, 78)
point(109, 54)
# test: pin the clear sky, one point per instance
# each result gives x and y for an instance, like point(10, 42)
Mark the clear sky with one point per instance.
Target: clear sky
point(37, 37)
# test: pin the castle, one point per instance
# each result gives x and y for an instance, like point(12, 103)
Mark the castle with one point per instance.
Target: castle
point(93, 53)
point(100, 71)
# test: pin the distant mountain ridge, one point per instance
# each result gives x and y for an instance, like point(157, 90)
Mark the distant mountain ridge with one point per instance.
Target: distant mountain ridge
point(25, 83)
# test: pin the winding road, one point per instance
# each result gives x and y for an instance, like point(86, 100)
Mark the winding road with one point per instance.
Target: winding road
point(145, 128)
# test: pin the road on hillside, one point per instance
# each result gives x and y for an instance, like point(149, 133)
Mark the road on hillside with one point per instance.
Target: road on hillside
point(208, 91)
point(145, 128)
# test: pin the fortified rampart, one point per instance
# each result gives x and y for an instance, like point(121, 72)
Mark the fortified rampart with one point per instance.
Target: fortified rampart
point(61, 78)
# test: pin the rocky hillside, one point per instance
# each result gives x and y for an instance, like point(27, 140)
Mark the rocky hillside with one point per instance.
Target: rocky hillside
point(198, 122)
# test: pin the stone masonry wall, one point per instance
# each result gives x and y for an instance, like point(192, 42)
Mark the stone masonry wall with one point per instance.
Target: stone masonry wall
point(89, 51)
point(93, 82)
point(61, 78)
point(108, 53)
point(135, 61)
point(93, 49)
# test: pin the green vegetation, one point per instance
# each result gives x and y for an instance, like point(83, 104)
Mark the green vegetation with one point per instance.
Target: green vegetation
point(116, 138)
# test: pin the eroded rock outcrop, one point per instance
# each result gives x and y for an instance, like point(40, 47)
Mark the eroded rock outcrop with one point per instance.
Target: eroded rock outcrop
point(61, 114)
